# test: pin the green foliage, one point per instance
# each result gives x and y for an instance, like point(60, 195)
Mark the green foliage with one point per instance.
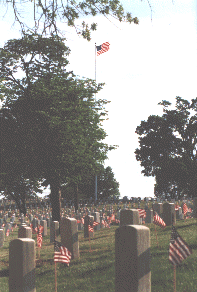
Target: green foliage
point(168, 148)
point(107, 186)
point(52, 124)
point(47, 14)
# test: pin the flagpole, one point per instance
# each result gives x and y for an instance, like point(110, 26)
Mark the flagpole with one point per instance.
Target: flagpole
point(95, 100)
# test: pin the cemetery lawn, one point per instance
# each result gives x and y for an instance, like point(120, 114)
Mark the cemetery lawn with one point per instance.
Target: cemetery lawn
point(95, 271)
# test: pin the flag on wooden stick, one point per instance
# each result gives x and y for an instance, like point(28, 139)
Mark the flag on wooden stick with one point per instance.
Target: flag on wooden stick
point(185, 209)
point(142, 213)
point(90, 228)
point(158, 221)
point(61, 253)
point(39, 238)
point(179, 250)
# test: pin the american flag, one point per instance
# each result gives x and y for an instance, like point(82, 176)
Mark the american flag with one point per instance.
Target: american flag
point(113, 217)
point(39, 238)
point(179, 250)
point(90, 228)
point(61, 253)
point(176, 207)
point(102, 48)
point(158, 221)
point(95, 223)
point(7, 232)
point(142, 213)
point(185, 209)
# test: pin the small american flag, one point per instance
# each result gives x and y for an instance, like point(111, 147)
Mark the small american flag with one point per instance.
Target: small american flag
point(90, 228)
point(61, 253)
point(185, 209)
point(7, 232)
point(176, 207)
point(179, 250)
point(39, 238)
point(158, 221)
point(142, 213)
point(95, 223)
point(102, 48)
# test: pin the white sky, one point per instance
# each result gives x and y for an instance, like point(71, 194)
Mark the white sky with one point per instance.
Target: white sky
point(146, 63)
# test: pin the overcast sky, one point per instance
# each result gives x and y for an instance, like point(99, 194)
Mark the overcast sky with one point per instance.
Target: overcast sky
point(146, 63)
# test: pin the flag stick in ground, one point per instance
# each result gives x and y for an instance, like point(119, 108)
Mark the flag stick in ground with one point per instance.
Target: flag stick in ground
point(55, 278)
point(174, 268)
point(89, 242)
point(156, 237)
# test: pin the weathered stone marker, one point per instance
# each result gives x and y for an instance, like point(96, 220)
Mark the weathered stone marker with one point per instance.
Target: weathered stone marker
point(54, 230)
point(149, 216)
point(169, 215)
point(22, 265)
point(1, 237)
point(129, 217)
point(69, 235)
point(44, 224)
point(195, 207)
point(158, 207)
point(24, 232)
point(132, 259)
point(88, 220)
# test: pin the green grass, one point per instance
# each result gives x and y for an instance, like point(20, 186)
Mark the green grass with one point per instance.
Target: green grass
point(95, 271)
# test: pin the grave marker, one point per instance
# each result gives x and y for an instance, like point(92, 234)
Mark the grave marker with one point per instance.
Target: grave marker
point(132, 259)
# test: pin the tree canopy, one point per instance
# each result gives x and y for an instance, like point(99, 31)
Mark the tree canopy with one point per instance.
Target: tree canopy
point(46, 14)
point(107, 186)
point(52, 123)
point(168, 148)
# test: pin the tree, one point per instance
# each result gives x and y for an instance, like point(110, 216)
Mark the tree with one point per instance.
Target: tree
point(57, 123)
point(46, 14)
point(168, 148)
point(108, 187)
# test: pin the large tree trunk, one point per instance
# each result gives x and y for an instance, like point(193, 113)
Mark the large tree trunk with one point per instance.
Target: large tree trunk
point(55, 198)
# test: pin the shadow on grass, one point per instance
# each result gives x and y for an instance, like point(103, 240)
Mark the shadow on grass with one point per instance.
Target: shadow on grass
point(158, 283)
point(193, 246)
point(45, 272)
point(4, 273)
point(98, 269)
point(184, 226)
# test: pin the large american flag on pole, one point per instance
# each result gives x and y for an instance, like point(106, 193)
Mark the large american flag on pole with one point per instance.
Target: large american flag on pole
point(61, 253)
point(102, 48)
point(179, 250)
point(158, 221)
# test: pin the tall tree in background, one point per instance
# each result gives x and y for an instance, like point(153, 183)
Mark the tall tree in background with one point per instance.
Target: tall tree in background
point(168, 148)
point(108, 187)
point(57, 132)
